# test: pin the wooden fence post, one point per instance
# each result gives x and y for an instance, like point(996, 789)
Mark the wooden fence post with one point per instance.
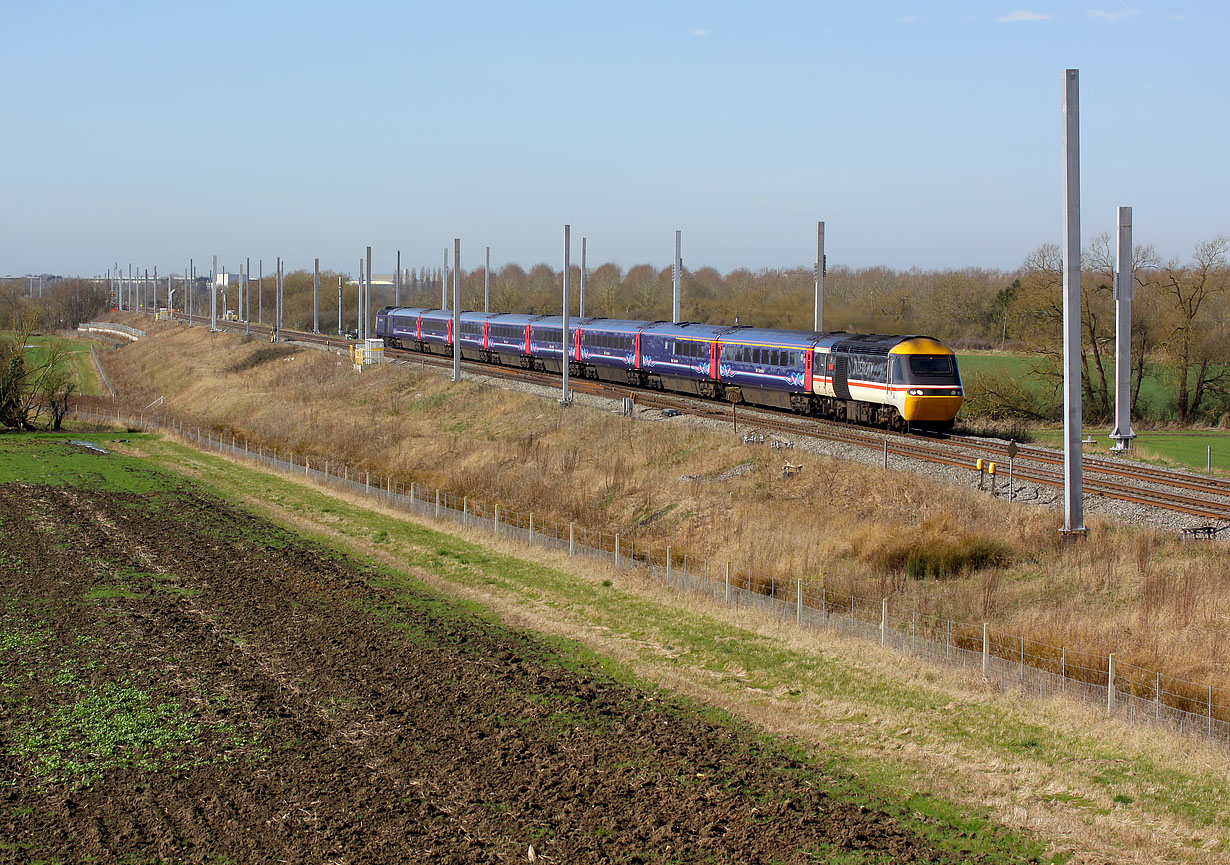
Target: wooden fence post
point(986, 649)
point(1110, 684)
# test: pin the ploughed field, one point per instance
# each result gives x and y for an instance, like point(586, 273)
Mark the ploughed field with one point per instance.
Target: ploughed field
point(182, 681)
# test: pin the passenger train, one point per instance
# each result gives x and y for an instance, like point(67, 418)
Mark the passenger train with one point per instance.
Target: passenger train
point(898, 382)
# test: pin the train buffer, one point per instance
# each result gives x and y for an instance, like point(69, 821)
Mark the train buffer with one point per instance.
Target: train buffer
point(790, 470)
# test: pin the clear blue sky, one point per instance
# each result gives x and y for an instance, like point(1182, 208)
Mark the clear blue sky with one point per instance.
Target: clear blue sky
point(923, 133)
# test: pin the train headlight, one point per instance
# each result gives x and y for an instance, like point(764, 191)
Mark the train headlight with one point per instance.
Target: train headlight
point(956, 391)
point(914, 392)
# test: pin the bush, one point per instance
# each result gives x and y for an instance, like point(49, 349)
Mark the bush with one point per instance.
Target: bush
point(936, 550)
point(260, 356)
point(1003, 395)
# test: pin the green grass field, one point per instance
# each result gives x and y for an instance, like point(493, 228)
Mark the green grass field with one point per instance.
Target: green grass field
point(1185, 448)
point(78, 359)
point(1156, 393)
point(53, 459)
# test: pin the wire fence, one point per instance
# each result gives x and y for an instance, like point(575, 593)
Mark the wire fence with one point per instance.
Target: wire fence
point(101, 374)
point(1009, 661)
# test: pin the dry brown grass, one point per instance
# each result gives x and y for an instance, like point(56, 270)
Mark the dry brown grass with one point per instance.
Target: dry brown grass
point(1153, 600)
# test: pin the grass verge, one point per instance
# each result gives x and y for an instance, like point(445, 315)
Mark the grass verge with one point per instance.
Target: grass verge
point(943, 751)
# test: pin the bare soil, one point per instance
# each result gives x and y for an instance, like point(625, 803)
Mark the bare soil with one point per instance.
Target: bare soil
point(345, 715)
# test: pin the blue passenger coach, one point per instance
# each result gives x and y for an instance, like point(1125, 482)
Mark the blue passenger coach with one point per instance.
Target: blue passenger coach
point(894, 381)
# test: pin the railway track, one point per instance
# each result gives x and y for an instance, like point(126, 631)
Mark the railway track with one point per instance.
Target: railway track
point(1199, 496)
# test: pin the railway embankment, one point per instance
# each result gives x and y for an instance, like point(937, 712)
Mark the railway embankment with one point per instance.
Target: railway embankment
point(1146, 596)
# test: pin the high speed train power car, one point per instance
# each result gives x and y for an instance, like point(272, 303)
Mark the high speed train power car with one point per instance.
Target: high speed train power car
point(899, 382)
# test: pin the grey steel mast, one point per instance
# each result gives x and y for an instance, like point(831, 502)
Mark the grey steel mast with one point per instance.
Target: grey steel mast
point(1124, 290)
point(1073, 480)
point(456, 309)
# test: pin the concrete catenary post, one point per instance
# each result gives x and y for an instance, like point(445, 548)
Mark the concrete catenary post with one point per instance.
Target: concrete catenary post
point(821, 266)
point(677, 276)
point(444, 282)
point(316, 296)
point(367, 298)
point(213, 295)
point(487, 282)
point(1124, 290)
point(1073, 481)
point(581, 298)
point(565, 395)
point(456, 309)
point(397, 282)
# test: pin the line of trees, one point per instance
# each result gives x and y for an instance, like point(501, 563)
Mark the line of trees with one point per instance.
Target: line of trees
point(1181, 339)
point(1179, 330)
point(1179, 322)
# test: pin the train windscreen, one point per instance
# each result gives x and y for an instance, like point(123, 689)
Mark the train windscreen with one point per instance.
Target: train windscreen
point(933, 365)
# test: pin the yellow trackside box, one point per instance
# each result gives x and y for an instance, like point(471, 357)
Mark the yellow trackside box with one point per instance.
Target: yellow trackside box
point(371, 351)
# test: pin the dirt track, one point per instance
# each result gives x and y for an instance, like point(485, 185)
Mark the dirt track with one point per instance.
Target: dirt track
point(343, 718)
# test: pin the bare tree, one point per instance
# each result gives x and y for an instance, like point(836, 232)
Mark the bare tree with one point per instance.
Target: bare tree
point(31, 387)
point(1194, 344)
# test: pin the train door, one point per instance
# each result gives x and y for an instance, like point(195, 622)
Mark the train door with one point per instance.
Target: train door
point(576, 345)
point(636, 351)
point(486, 335)
point(418, 327)
point(450, 331)
point(839, 365)
point(528, 329)
point(808, 359)
point(714, 349)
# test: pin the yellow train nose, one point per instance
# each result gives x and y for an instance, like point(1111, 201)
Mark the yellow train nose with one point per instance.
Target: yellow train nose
point(931, 408)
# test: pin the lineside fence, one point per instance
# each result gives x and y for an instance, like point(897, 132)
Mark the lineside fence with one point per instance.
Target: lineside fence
point(108, 327)
point(101, 374)
point(1130, 693)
